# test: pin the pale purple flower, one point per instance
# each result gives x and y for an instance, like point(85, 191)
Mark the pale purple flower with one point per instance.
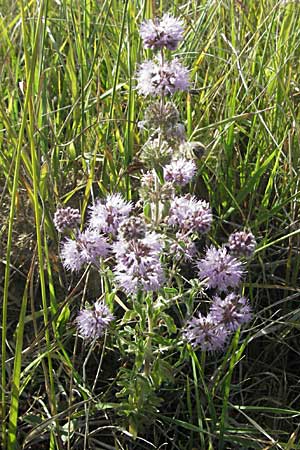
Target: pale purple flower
point(138, 265)
point(107, 215)
point(205, 332)
point(180, 171)
point(232, 311)
point(66, 218)
point(92, 323)
point(242, 243)
point(167, 32)
point(221, 269)
point(155, 78)
point(183, 247)
point(190, 214)
point(87, 247)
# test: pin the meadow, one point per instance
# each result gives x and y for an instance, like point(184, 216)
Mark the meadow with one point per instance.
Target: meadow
point(73, 132)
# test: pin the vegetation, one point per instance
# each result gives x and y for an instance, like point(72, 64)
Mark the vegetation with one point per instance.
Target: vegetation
point(69, 113)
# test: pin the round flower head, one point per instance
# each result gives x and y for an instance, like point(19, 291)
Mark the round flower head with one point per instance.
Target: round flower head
point(66, 218)
point(138, 265)
point(221, 269)
point(232, 312)
point(107, 216)
point(167, 32)
point(92, 323)
point(88, 247)
point(155, 78)
point(205, 332)
point(190, 214)
point(242, 243)
point(180, 171)
point(132, 228)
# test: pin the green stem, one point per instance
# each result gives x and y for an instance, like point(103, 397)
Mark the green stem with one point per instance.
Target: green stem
point(148, 349)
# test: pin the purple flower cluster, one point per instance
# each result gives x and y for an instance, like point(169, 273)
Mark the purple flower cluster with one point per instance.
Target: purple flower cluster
point(242, 243)
point(167, 32)
point(92, 323)
point(202, 331)
point(87, 247)
point(66, 218)
point(225, 316)
point(232, 311)
point(155, 78)
point(190, 214)
point(106, 216)
point(219, 269)
point(138, 265)
point(180, 171)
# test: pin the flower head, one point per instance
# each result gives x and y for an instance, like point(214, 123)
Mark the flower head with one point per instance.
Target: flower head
point(232, 312)
point(167, 32)
point(93, 322)
point(138, 265)
point(132, 228)
point(205, 332)
point(107, 216)
point(190, 214)
point(155, 78)
point(242, 243)
point(66, 218)
point(180, 171)
point(88, 247)
point(221, 269)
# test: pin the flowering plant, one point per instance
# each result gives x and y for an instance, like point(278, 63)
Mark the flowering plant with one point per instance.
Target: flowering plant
point(145, 248)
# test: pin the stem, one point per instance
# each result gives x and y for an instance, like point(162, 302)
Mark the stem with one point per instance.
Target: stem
point(148, 349)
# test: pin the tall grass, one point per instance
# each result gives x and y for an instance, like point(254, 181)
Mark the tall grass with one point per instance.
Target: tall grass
point(68, 132)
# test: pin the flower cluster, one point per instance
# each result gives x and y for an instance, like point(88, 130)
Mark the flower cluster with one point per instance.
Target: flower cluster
point(138, 267)
point(180, 171)
point(190, 214)
point(232, 311)
point(66, 218)
point(156, 78)
point(87, 247)
point(242, 243)
point(93, 322)
point(220, 270)
point(169, 224)
point(225, 316)
point(106, 216)
point(202, 331)
point(167, 32)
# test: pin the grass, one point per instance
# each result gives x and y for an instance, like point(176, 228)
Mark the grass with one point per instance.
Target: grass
point(68, 133)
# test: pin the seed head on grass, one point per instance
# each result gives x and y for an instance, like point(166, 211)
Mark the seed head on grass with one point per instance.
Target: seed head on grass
point(167, 32)
point(222, 270)
point(92, 323)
